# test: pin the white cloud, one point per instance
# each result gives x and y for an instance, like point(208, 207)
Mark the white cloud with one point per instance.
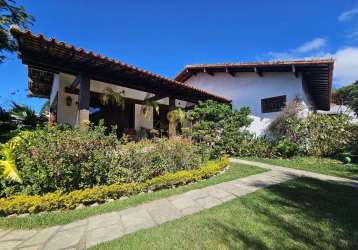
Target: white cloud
point(314, 44)
point(346, 66)
point(353, 35)
point(347, 15)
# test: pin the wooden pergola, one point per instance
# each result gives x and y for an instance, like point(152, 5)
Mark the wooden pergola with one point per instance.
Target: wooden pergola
point(45, 57)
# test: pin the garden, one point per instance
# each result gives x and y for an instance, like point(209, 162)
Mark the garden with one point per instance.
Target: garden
point(83, 172)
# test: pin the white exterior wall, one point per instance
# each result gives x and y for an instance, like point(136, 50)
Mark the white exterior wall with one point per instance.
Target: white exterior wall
point(247, 89)
point(141, 121)
point(66, 114)
point(55, 87)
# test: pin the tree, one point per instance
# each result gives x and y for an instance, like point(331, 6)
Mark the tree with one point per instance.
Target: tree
point(23, 116)
point(348, 95)
point(11, 15)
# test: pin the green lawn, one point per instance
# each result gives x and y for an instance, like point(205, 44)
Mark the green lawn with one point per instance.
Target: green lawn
point(318, 165)
point(56, 218)
point(298, 214)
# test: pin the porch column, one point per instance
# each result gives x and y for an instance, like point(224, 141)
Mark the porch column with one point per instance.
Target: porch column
point(172, 125)
point(83, 101)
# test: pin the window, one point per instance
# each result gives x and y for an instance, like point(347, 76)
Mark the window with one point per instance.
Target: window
point(273, 104)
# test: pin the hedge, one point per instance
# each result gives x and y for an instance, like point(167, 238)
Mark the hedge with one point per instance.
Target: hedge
point(21, 204)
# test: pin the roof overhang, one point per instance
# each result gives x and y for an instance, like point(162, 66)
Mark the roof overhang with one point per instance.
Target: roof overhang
point(48, 55)
point(316, 74)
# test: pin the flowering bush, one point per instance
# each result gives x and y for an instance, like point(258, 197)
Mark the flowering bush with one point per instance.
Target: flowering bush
point(316, 134)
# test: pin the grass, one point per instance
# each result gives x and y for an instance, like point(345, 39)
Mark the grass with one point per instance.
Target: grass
point(63, 217)
point(318, 165)
point(298, 214)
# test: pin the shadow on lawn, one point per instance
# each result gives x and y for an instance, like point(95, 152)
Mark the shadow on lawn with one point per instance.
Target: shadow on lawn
point(303, 213)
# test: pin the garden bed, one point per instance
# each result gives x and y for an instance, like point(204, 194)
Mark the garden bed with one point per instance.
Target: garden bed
point(46, 219)
point(21, 204)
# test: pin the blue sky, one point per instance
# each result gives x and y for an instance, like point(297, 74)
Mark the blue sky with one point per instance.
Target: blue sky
point(164, 36)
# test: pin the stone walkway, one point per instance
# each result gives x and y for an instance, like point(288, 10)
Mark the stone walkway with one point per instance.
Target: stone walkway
point(89, 232)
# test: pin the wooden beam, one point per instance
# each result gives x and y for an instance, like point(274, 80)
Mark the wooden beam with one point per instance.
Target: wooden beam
point(191, 72)
point(76, 81)
point(172, 125)
point(84, 101)
point(208, 72)
point(156, 97)
point(230, 72)
point(297, 74)
point(257, 71)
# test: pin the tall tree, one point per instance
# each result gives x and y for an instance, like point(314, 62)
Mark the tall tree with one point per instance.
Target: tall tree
point(348, 95)
point(11, 14)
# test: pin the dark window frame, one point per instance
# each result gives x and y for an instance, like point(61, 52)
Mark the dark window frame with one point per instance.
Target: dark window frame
point(273, 104)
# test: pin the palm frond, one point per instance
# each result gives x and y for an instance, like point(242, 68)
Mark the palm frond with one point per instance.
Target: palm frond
point(8, 170)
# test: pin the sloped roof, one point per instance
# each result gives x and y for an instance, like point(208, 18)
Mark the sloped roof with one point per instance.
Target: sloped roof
point(316, 74)
point(50, 55)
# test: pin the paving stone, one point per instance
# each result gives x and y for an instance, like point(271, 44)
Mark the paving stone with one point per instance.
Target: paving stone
point(208, 202)
point(37, 247)
point(41, 237)
point(136, 220)
point(182, 202)
point(3, 232)
point(8, 245)
point(191, 210)
point(164, 211)
point(196, 194)
point(103, 220)
point(104, 234)
point(65, 239)
point(227, 198)
point(79, 223)
point(218, 193)
point(20, 235)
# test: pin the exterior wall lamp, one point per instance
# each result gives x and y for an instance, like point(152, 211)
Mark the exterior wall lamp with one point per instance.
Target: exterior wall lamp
point(68, 100)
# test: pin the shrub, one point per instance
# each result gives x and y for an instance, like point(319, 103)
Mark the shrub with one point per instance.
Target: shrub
point(57, 200)
point(316, 135)
point(256, 147)
point(140, 161)
point(63, 159)
point(219, 127)
point(286, 149)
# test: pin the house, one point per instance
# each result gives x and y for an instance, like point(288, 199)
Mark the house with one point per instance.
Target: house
point(265, 87)
point(75, 80)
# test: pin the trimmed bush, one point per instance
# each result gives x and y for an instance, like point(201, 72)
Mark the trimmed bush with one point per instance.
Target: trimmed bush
point(57, 200)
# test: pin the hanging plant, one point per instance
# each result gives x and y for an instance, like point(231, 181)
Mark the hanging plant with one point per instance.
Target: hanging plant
point(147, 105)
point(111, 97)
point(176, 115)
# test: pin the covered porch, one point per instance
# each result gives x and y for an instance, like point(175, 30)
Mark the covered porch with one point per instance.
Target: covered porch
point(75, 80)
